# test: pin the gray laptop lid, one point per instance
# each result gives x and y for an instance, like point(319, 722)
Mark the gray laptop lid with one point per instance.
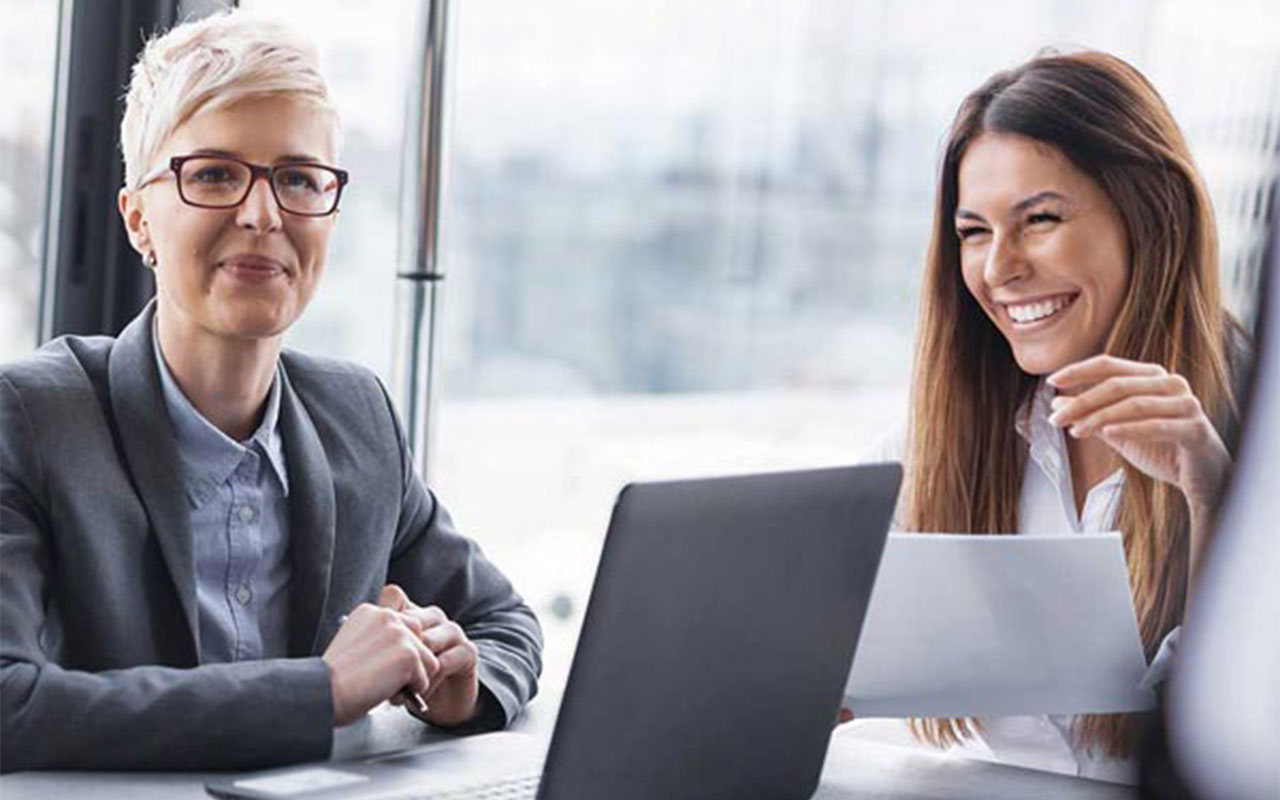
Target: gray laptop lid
point(714, 652)
point(719, 636)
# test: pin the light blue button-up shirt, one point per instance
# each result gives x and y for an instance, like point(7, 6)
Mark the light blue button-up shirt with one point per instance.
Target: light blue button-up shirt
point(238, 495)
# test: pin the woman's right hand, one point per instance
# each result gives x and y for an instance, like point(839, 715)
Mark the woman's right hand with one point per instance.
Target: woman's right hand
point(374, 655)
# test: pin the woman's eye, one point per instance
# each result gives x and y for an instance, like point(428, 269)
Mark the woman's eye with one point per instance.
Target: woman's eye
point(213, 175)
point(969, 232)
point(298, 180)
point(1043, 218)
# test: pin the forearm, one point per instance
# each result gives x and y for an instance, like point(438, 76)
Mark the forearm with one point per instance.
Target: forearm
point(435, 565)
point(1202, 519)
point(220, 716)
point(444, 569)
point(510, 654)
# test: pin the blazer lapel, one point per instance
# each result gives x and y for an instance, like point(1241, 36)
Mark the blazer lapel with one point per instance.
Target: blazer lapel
point(311, 521)
point(146, 436)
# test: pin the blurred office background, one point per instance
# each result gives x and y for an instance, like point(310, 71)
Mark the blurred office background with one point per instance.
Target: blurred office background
point(679, 238)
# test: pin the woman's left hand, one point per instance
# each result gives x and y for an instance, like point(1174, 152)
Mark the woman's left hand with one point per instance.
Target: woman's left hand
point(1147, 415)
point(454, 692)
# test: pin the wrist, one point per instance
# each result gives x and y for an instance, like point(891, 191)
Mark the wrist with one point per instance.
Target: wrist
point(487, 715)
point(1201, 518)
point(335, 697)
point(1199, 511)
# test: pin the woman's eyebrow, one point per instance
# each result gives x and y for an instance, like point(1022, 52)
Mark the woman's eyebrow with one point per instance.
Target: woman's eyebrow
point(1018, 207)
point(291, 158)
point(297, 159)
point(213, 151)
point(1038, 197)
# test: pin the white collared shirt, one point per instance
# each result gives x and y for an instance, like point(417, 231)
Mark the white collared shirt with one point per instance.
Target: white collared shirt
point(1046, 507)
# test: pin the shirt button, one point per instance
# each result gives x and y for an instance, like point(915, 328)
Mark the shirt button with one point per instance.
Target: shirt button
point(244, 594)
point(246, 514)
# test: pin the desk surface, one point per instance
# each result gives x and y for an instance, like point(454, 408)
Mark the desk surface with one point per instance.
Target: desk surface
point(855, 768)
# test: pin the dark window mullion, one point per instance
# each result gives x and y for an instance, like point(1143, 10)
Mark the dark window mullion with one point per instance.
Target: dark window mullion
point(92, 281)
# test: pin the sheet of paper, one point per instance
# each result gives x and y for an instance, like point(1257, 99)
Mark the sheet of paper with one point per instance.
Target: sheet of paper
point(965, 625)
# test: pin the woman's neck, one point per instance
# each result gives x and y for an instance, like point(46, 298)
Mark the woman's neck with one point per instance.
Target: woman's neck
point(1091, 462)
point(227, 380)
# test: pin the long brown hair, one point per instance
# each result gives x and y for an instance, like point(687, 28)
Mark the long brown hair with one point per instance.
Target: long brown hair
point(965, 460)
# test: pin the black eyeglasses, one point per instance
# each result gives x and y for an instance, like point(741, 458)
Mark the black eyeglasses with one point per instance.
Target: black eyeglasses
point(308, 190)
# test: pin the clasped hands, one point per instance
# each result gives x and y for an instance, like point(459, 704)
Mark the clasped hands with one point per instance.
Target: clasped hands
point(395, 645)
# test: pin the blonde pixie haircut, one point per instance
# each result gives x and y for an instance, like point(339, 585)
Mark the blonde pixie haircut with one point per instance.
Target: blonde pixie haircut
point(208, 64)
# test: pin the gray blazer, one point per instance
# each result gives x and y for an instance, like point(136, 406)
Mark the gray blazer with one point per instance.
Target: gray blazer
point(100, 662)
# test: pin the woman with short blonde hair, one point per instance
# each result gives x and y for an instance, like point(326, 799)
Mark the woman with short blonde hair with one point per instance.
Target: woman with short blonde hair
point(212, 63)
point(215, 550)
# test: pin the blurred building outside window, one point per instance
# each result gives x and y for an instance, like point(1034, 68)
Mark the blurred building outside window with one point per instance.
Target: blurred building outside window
point(366, 52)
point(28, 47)
point(686, 239)
point(680, 239)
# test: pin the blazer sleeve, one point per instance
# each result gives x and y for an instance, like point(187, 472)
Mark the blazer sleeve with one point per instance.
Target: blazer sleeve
point(436, 565)
point(222, 716)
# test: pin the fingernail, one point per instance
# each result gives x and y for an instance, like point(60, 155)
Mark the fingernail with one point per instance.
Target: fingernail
point(1055, 417)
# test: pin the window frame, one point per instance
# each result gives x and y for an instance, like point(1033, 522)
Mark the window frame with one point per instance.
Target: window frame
point(91, 280)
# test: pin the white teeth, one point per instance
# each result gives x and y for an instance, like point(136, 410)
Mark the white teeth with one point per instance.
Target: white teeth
point(1030, 312)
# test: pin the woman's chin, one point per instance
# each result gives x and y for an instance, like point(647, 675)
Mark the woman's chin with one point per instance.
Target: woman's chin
point(256, 323)
point(1040, 363)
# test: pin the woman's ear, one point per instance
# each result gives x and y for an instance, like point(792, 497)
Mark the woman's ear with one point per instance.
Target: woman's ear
point(135, 224)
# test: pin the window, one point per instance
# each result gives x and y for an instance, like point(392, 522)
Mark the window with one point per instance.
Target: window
point(28, 45)
point(366, 51)
point(686, 238)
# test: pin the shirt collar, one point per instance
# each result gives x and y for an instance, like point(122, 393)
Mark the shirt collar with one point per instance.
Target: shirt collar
point(1032, 420)
point(208, 455)
point(1047, 444)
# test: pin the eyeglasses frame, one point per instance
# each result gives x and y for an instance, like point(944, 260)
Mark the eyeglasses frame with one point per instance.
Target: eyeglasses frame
point(256, 171)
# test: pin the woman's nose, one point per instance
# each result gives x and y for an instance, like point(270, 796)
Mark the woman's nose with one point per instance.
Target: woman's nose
point(1005, 261)
point(259, 211)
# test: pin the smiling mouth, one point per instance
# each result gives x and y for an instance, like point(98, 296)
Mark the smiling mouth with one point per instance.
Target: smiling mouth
point(255, 269)
point(1039, 310)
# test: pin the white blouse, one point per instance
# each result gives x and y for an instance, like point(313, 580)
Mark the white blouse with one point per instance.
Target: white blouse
point(1046, 507)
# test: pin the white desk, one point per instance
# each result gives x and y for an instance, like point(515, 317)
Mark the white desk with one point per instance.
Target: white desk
point(855, 768)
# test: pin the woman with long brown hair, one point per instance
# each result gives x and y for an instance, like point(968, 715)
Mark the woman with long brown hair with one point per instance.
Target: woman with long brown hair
point(1072, 369)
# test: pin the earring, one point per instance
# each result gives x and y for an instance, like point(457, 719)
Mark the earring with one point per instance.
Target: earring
point(151, 259)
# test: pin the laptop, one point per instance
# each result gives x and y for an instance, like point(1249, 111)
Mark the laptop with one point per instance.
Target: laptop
point(711, 662)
